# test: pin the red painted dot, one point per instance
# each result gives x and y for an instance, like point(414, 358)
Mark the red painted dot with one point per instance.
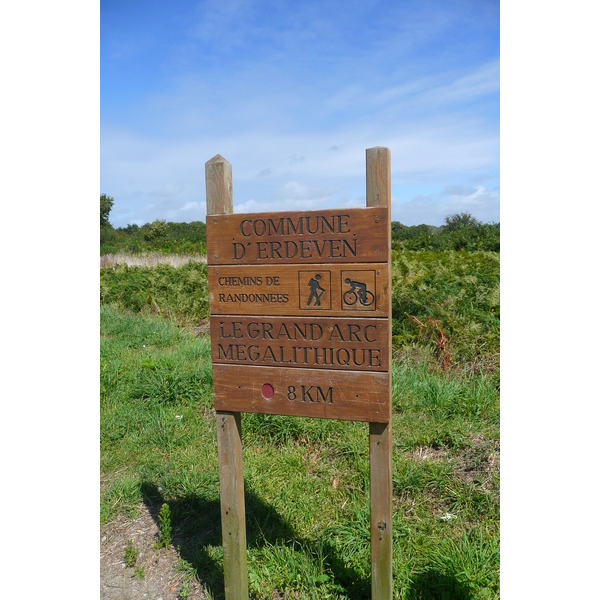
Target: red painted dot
point(267, 390)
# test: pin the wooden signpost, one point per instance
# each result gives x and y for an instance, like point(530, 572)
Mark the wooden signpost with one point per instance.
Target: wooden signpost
point(300, 319)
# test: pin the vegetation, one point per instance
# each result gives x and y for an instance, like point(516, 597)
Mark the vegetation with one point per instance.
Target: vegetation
point(460, 221)
point(177, 293)
point(461, 232)
point(158, 236)
point(131, 554)
point(106, 204)
point(307, 480)
point(164, 520)
point(448, 301)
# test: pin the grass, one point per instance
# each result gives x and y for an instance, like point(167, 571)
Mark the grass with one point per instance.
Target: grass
point(454, 294)
point(307, 480)
point(446, 302)
point(179, 294)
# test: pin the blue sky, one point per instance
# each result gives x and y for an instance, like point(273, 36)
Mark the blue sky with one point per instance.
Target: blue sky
point(292, 94)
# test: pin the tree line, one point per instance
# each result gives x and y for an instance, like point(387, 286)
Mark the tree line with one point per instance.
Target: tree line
point(460, 231)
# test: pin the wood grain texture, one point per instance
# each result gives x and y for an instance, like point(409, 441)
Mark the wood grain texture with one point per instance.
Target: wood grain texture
point(379, 181)
point(301, 342)
point(229, 429)
point(350, 235)
point(219, 189)
point(378, 161)
point(286, 290)
point(233, 513)
point(380, 459)
point(347, 395)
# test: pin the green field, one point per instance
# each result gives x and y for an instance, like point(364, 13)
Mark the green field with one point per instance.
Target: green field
point(307, 480)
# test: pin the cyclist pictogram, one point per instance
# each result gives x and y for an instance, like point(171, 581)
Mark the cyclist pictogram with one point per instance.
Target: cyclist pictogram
point(358, 292)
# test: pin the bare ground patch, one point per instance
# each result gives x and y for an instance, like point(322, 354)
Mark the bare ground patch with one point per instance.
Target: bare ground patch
point(161, 578)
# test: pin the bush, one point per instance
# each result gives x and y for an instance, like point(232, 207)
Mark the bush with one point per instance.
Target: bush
point(481, 237)
point(178, 293)
point(158, 236)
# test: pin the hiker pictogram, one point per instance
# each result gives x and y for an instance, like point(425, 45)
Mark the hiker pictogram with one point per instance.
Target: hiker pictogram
point(316, 291)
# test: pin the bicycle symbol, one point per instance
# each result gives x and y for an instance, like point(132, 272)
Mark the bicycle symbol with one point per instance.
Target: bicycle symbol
point(358, 292)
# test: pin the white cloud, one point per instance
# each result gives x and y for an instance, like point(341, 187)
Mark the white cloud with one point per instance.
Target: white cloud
point(482, 203)
point(295, 109)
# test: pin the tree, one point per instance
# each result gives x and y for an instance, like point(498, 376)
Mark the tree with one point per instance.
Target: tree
point(106, 204)
point(460, 220)
point(156, 230)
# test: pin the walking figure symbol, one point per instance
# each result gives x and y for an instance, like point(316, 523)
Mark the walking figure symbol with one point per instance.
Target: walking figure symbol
point(316, 291)
point(358, 291)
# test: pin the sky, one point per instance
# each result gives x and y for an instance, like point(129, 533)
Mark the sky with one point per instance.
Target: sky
point(292, 94)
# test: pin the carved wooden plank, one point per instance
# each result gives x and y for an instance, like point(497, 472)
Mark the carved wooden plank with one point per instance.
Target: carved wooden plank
point(301, 342)
point(328, 289)
point(348, 395)
point(380, 435)
point(229, 431)
point(321, 236)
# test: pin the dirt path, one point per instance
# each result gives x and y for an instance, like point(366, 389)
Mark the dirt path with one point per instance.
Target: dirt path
point(161, 580)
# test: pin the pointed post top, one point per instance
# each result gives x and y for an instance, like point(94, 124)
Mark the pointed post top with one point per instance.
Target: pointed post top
point(219, 193)
point(216, 159)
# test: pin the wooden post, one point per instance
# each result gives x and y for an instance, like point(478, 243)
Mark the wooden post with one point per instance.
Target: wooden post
point(380, 434)
point(219, 201)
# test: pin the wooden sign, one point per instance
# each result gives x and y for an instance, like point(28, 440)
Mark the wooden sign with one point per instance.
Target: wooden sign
point(323, 236)
point(304, 301)
point(301, 342)
point(324, 289)
point(300, 321)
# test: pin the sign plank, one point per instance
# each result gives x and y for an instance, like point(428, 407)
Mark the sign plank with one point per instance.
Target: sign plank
point(348, 395)
point(301, 342)
point(324, 289)
point(322, 236)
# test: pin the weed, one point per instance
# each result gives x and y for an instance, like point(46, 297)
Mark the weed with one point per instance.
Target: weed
point(164, 535)
point(432, 330)
point(140, 573)
point(131, 554)
point(184, 591)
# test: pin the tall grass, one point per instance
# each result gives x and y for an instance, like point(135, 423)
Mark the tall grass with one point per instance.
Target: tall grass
point(149, 259)
point(306, 480)
point(180, 294)
point(447, 303)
